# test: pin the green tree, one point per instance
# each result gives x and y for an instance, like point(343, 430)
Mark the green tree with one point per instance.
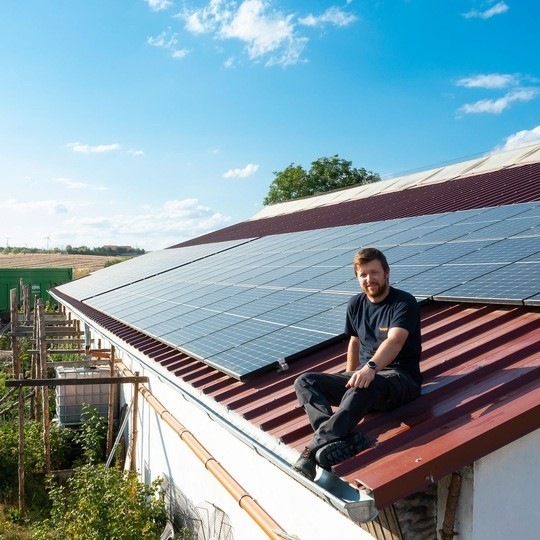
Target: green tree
point(325, 174)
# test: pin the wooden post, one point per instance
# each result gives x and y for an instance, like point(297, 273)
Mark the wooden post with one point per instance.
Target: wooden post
point(36, 370)
point(14, 315)
point(110, 410)
point(45, 401)
point(22, 502)
point(135, 429)
point(25, 290)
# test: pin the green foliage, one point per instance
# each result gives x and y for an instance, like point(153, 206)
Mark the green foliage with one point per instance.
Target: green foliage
point(325, 174)
point(93, 435)
point(5, 342)
point(104, 250)
point(110, 262)
point(100, 503)
point(34, 459)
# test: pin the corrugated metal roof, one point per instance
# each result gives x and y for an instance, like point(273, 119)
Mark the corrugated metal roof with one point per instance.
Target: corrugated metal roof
point(477, 191)
point(481, 367)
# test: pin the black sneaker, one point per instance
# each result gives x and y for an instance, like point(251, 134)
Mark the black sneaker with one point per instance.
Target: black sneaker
point(337, 451)
point(306, 465)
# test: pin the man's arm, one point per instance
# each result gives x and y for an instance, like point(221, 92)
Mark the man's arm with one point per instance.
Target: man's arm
point(353, 353)
point(386, 353)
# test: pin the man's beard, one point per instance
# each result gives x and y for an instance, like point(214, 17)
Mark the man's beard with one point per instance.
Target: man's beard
point(379, 290)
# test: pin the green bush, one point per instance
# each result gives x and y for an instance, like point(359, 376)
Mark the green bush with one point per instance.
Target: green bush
point(100, 503)
point(92, 435)
point(34, 459)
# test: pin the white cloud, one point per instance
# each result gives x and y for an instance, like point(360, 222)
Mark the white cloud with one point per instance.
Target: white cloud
point(152, 227)
point(133, 152)
point(333, 15)
point(168, 40)
point(264, 31)
point(48, 206)
point(491, 80)
point(268, 34)
point(159, 5)
point(84, 222)
point(248, 170)
point(521, 138)
point(498, 9)
point(497, 106)
point(73, 184)
point(98, 149)
point(70, 184)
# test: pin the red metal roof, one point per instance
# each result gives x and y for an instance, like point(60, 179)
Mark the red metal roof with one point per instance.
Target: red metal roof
point(506, 186)
point(481, 367)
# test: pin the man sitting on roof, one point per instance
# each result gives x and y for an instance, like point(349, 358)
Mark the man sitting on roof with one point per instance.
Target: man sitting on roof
point(382, 370)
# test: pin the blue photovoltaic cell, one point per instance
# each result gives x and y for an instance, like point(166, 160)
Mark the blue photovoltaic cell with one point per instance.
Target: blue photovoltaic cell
point(501, 229)
point(332, 320)
point(503, 251)
point(398, 254)
point(242, 305)
point(141, 267)
point(500, 213)
point(446, 234)
point(507, 284)
point(439, 279)
point(444, 253)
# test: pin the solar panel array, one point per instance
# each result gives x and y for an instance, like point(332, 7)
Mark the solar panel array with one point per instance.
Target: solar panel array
point(242, 306)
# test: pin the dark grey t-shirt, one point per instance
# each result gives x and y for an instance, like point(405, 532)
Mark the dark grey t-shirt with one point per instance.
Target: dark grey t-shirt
point(370, 322)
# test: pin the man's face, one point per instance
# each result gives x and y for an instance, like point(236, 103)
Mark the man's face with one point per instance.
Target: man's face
point(373, 280)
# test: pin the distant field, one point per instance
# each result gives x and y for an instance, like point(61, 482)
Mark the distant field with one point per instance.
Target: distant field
point(81, 264)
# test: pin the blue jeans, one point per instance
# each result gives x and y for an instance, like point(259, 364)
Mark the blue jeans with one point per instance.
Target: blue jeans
point(318, 392)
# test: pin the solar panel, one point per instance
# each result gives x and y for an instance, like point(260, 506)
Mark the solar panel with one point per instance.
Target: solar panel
point(241, 306)
point(508, 284)
point(508, 250)
point(501, 229)
point(442, 253)
point(141, 267)
point(438, 279)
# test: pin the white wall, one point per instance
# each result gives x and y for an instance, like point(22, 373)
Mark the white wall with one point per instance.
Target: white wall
point(499, 494)
point(506, 491)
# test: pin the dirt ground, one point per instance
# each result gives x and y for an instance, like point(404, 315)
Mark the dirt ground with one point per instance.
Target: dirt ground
point(81, 264)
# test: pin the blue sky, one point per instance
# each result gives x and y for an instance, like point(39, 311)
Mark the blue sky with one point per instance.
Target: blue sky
point(148, 122)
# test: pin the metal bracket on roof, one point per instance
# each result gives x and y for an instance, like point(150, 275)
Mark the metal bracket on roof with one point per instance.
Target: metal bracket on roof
point(282, 365)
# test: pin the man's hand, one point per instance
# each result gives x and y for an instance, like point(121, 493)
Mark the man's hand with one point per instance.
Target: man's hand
point(361, 378)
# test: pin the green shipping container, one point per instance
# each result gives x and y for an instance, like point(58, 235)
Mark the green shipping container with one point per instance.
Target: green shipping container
point(40, 281)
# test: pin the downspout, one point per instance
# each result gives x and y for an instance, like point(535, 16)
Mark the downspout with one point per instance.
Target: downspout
point(447, 531)
point(243, 498)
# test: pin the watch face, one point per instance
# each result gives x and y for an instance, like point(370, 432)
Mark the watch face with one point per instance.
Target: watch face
point(372, 364)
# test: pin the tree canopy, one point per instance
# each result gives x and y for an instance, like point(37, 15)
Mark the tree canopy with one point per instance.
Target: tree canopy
point(325, 174)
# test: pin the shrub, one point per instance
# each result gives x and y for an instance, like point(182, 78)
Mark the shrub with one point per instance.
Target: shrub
point(100, 503)
point(34, 460)
point(92, 435)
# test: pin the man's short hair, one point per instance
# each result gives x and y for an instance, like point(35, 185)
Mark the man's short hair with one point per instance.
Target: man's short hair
point(367, 255)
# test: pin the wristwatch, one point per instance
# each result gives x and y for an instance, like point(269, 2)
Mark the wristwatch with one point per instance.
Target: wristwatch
point(371, 364)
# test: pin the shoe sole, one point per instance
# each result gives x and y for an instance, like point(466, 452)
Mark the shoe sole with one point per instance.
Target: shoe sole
point(335, 452)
